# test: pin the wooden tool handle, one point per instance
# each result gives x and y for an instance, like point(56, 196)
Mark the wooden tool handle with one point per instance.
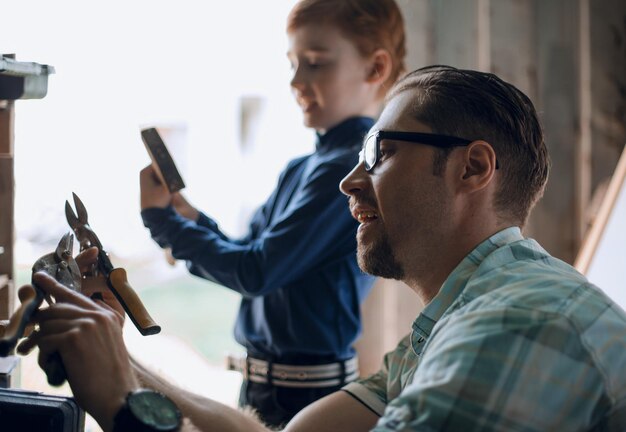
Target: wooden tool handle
point(30, 299)
point(131, 303)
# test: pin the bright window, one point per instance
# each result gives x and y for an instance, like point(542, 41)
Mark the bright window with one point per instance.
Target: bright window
point(216, 78)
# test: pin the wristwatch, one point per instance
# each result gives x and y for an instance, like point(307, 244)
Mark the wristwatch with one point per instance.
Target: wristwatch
point(147, 411)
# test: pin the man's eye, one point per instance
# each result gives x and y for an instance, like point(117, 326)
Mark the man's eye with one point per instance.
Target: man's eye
point(385, 153)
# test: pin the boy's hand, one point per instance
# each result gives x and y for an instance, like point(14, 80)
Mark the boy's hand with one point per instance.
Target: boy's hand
point(184, 208)
point(153, 192)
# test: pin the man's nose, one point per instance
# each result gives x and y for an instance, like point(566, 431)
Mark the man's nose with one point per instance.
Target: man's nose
point(354, 182)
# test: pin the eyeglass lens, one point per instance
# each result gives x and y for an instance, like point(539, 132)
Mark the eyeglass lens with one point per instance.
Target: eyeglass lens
point(369, 152)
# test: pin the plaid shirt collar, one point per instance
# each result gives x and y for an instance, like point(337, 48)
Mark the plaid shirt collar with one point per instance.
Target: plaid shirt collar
point(455, 284)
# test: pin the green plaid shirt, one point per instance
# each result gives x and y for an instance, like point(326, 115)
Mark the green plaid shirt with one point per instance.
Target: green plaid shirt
point(515, 340)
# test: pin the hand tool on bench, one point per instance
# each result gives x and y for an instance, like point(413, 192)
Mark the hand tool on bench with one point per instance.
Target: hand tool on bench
point(104, 274)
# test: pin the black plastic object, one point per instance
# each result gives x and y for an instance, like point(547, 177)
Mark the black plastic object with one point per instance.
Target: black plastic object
point(22, 410)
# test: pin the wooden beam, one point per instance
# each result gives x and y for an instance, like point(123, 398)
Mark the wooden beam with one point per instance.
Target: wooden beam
point(6, 215)
point(6, 127)
point(483, 30)
point(7, 299)
point(7, 200)
point(594, 235)
point(584, 144)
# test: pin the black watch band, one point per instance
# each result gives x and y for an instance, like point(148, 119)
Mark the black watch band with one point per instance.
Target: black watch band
point(147, 410)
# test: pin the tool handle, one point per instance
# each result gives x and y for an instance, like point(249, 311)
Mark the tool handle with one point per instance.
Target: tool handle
point(126, 295)
point(55, 371)
point(30, 298)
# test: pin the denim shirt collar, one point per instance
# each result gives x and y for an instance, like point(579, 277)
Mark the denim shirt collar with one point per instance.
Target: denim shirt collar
point(342, 135)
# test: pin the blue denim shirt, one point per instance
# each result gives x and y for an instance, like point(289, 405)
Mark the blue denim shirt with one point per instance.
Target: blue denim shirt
point(296, 268)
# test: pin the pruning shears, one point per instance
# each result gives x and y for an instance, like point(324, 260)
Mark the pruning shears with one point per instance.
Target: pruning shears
point(103, 272)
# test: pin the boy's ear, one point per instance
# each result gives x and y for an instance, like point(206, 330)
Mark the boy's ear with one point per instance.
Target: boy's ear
point(380, 68)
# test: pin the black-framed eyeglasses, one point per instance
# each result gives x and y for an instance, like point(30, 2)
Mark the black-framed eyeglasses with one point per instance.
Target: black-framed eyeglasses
point(371, 146)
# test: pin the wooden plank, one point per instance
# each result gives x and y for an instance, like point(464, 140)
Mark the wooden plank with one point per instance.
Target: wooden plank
point(483, 35)
point(6, 214)
point(608, 89)
point(557, 30)
point(595, 234)
point(6, 127)
point(7, 201)
point(7, 232)
point(456, 31)
point(7, 297)
point(420, 38)
point(584, 143)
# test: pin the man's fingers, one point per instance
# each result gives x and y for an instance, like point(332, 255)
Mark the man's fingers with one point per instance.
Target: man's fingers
point(87, 258)
point(119, 311)
point(27, 345)
point(72, 313)
point(48, 352)
point(74, 304)
point(55, 326)
point(50, 286)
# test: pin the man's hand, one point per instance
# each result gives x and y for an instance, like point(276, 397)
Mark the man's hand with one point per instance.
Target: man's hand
point(96, 287)
point(153, 192)
point(87, 334)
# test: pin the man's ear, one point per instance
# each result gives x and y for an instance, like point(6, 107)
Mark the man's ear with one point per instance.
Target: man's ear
point(380, 67)
point(479, 166)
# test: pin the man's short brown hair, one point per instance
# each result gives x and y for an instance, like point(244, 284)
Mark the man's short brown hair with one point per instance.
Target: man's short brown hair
point(481, 106)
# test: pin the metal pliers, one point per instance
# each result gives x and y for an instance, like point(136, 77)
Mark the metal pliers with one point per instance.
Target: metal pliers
point(61, 265)
point(115, 278)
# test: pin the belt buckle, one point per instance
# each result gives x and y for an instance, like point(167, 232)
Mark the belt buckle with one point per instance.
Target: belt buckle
point(238, 363)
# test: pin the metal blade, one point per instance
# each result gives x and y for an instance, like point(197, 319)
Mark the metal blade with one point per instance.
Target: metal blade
point(80, 209)
point(65, 247)
point(71, 217)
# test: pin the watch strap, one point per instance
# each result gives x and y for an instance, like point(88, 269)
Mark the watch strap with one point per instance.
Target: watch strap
point(127, 421)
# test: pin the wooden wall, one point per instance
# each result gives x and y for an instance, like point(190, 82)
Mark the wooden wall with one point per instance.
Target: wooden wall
point(7, 189)
point(569, 57)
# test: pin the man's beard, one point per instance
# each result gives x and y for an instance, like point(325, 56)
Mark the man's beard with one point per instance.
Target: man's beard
point(378, 259)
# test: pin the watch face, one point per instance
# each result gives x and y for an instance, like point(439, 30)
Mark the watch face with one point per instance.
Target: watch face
point(154, 409)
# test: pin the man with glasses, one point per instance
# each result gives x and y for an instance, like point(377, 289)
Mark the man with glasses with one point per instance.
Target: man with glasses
point(510, 338)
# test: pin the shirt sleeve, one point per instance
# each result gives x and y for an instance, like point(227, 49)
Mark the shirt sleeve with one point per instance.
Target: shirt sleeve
point(512, 370)
point(377, 389)
point(315, 229)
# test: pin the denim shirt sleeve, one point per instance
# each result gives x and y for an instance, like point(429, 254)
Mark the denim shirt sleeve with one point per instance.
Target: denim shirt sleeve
point(314, 229)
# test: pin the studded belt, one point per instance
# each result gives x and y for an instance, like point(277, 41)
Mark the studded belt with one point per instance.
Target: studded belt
point(298, 376)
